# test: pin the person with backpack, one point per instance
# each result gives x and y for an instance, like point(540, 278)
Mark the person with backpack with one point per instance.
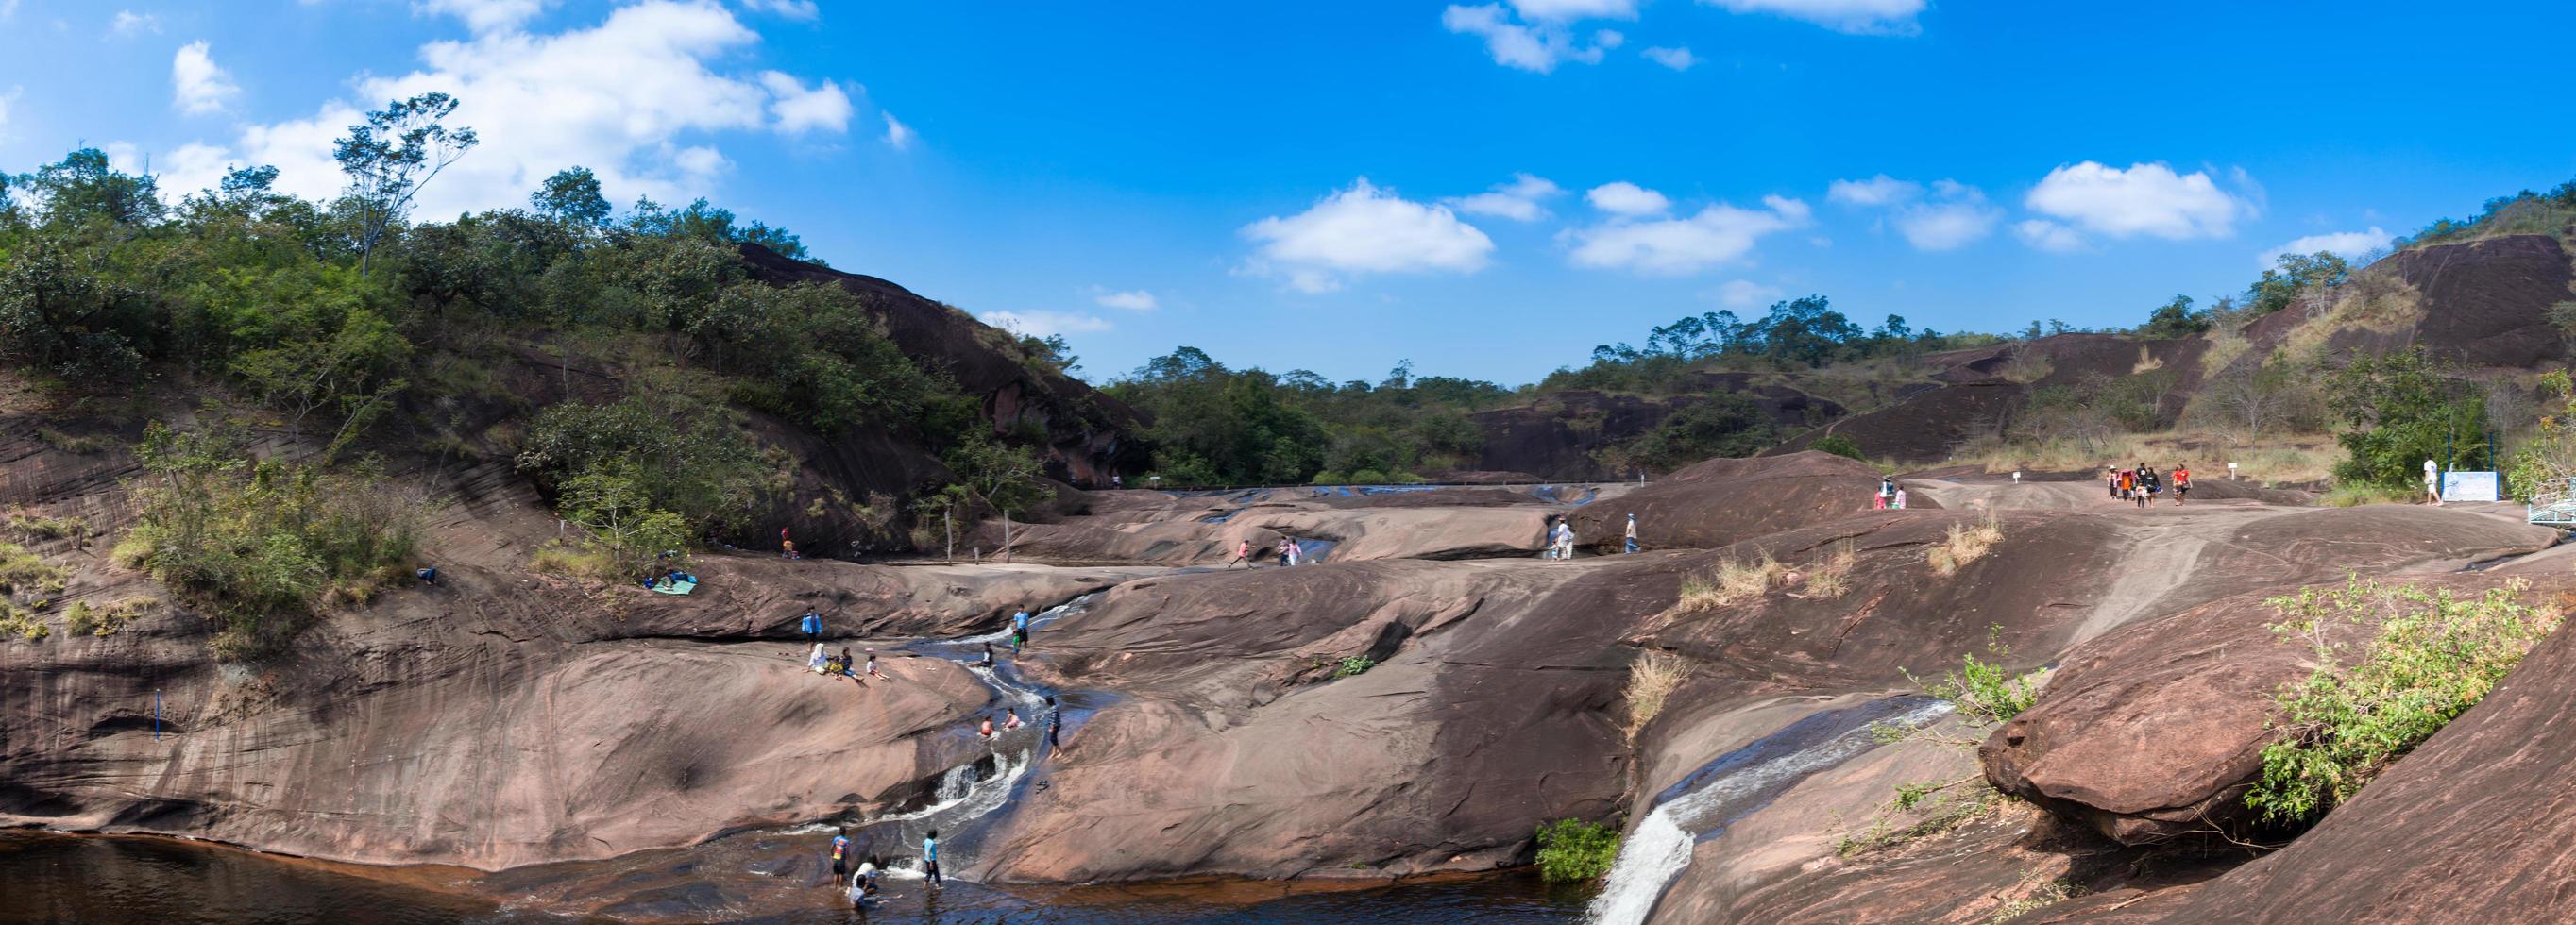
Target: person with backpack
point(840, 851)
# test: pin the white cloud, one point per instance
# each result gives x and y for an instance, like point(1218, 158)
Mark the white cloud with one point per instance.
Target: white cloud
point(1625, 198)
point(1674, 246)
point(1745, 293)
point(801, 109)
point(2349, 245)
point(2049, 236)
point(197, 86)
point(1883, 17)
point(1536, 48)
point(486, 15)
point(899, 135)
point(1517, 200)
point(1134, 300)
point(1881, 190)
point(1679, 59)
point(634, 98)
point(1045, 323)
point(131, 23)
point(791, 9)
point(1952, 216)
point(1364, 229)
point(1562, 10)
point(2145, 199)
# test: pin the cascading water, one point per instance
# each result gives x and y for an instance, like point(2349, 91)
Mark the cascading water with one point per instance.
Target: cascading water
point(1735, 785)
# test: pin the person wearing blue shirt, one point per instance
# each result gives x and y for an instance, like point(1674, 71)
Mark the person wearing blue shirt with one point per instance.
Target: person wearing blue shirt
point(930, 857)
point(1019, 631)
point(813, 625)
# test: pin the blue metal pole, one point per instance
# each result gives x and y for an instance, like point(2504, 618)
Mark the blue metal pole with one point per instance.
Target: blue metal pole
point(156, 714)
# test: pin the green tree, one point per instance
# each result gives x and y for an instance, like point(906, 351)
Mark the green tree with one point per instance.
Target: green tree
point(82, 187)
point(572, 197)
point(1004, 478)
point(60, 313)
point(2291, 277)
point(390, 156)
point(2399, 410)
point(2175, 319)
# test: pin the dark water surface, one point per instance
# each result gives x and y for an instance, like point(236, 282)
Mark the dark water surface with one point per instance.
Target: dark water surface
point(46, 877)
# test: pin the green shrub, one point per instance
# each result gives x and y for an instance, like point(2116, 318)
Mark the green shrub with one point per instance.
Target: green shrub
point(2401, 411)
point(1986, 693)
point(23, 572)
point(264, 545)
point(21, 623)
point(1838, 445)
point(2431, 656)
point(1571, 850)
point(1354, 665)
point(679, 455)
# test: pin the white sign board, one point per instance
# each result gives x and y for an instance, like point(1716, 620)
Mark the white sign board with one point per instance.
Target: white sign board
point(2469, 486)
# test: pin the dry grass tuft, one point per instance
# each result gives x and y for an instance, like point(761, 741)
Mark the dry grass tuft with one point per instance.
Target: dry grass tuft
point(1651, 680)
point(1965, 544)
point(1832, 578)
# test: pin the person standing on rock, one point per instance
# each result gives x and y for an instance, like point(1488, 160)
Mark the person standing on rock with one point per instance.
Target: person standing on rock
point(812, 624)
point(2432, 483)
point(1632, 533)
point(1019, 631)
point(930, 857)
point(2181, 483)
point(840, 851)
point(1055, 723)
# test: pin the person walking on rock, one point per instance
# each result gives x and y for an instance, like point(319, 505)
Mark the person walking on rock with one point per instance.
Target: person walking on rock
point(1632, 533)
point(2111, 478)
point(930, 857)
point(2181, 483)
point(1242, 553)
point(2432, 483)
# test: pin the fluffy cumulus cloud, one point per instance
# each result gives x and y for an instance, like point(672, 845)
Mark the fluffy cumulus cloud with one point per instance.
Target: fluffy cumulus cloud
point(1134, 300)
point(2349, 245)
point(799, 108)
point(1537, 46)
point(1677, 58)
point(1625, 198)
point(197, 85)
point(1947, 216)
point(1520, 200)
point(1361, 230)
point(2144, 199)
point(636, 98)
point(1745, 293)
point(1045, 323)
point(1865, 17)
point(1717, 234)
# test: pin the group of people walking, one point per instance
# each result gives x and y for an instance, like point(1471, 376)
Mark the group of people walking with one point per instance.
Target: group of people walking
point(2142, 484)
point(1289, 552)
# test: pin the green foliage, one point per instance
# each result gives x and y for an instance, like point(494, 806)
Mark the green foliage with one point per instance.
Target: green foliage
point(2400, 411)
point(624, 526)
point(1838, 445)
point(1573, 850)
point(1354, 665)
point(810, 353)
point(571, 196)
point(2175, 319)
point(60, 313)
point(663, 455)
point(82, 189)
point(1803, 332)
point(2294, 276)
point(1722, 424)
point(2525, 212)
point(2547, 461)
point(390, 156)
point(85, 619)
point(1985, 692)
point(1004, 478)
point(264, 545)
point(2430, 656)
point(23, 573)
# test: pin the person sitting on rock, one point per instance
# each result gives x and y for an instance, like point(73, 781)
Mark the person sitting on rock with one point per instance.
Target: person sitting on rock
point(849, 666)
point(1011, 719)
point(872, 667)
point(815, 660)
point(987, 660)
point(986, 731)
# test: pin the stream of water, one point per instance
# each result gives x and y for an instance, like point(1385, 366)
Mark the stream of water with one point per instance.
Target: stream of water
point(1701, 805)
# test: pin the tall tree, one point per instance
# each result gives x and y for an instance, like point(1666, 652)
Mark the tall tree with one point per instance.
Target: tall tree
point(391, 156)
point(572, 197)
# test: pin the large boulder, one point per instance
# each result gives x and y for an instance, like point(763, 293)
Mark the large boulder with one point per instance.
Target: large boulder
point(1722, 501)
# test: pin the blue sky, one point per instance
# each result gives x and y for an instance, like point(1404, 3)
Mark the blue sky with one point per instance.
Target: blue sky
point(1486, 189)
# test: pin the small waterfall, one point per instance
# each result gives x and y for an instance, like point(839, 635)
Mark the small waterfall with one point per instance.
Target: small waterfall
point(1736, 785)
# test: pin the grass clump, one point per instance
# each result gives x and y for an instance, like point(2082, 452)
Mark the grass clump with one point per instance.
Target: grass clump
point(1572, 850)
point(1985, 692)
point(1934, 808)
point(23, 624)
point(81, 445)
point(1354, 665)
point(1652, 679)
point(23, 572)
point(1832, 577)
point(263, 546)
point(2041, 895)
point(1964, 544)
point(586, 562)
point(2432, 655)
point(83, 618)
point(1733, 580)
point(37, 527)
